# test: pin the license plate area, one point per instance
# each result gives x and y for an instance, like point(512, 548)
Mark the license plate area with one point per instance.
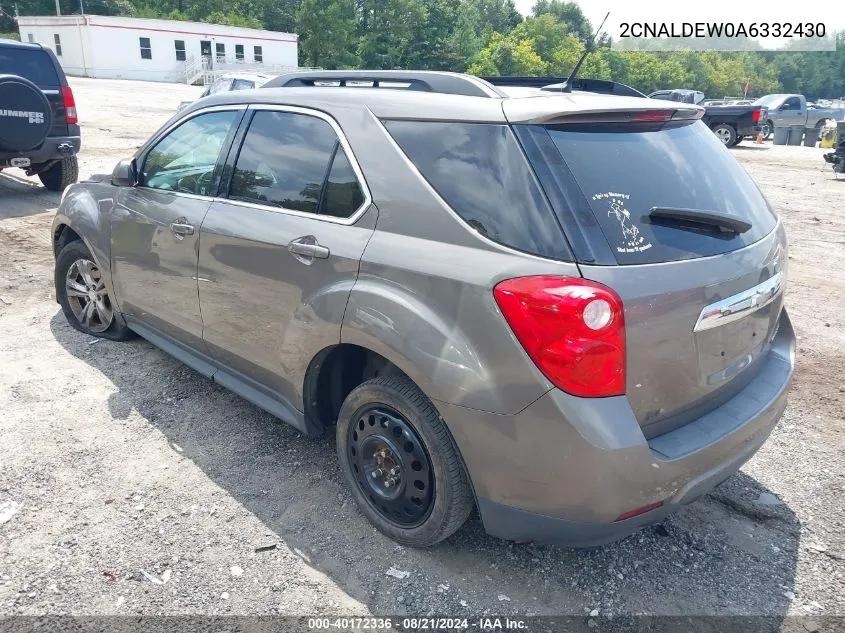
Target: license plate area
point(732, 333)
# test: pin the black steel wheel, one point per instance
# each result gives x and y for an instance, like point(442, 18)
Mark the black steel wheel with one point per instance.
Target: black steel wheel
point(401, 463)
point(392, 468)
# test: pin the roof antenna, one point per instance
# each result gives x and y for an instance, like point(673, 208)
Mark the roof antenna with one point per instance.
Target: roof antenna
point(567, 85)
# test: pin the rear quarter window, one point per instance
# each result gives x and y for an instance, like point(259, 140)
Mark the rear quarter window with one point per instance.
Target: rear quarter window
point(622, 171)
point(481, 172)
point(30, 63)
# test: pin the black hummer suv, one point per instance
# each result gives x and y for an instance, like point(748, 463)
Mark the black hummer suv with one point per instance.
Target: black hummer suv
point(39, 131)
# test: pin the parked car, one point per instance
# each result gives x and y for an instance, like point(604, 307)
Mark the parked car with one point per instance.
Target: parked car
point(39, 130)
point(732, 123)
point(565, 310)
point(792, 109)
point(230, 81)
point(683, 95)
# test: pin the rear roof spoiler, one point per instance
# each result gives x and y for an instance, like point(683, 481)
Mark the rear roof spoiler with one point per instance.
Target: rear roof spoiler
point(554, 84)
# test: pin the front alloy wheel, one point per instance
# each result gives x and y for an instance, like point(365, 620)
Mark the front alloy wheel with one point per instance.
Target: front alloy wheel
point(81, 291)
point(87, 296)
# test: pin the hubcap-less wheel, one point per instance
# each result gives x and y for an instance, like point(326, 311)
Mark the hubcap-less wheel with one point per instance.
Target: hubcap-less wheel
point(87, 296)
point(391, 466)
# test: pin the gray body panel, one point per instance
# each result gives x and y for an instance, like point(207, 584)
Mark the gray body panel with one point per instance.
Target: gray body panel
point(525, 491)
point(154, 269)
point(410, 280)
point(675, 374)
point(265, 313)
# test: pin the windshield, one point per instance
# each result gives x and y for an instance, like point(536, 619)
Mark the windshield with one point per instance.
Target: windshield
point(769, 100)
point(623, 171)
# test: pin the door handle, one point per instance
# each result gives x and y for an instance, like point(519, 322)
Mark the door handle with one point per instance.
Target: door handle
point(307, 247)
point(182, 229)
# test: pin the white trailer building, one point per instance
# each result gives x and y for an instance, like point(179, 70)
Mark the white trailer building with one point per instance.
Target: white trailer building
point(157, 50)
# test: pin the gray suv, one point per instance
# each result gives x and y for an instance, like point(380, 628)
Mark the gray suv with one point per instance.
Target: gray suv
point(564, 310)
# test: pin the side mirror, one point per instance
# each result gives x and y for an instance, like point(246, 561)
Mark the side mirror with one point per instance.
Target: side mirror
point(124, 174)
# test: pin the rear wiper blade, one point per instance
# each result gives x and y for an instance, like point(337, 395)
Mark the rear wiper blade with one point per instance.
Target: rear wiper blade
point(722, 221)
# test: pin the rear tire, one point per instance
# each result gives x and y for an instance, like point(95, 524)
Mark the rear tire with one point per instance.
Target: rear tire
point(78, 278)
point(61, 175)
point(401, 463)
point(726, 134)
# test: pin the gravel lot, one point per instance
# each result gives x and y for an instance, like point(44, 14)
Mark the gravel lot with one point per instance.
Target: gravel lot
point(131, 485)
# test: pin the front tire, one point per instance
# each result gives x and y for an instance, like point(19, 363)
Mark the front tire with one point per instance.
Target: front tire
point(401, 463)
point(726, 134)
point(82, 293)
point(770, 129)
point(61, 175)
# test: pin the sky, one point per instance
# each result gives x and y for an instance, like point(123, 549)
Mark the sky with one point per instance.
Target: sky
point(833, 15)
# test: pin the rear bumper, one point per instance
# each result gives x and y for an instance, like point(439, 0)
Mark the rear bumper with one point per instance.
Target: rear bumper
point(565, 468)
point(53, 148)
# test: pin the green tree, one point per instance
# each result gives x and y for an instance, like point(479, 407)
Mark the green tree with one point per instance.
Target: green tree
point(327, 33)
point(569, 15)
point(507, 56)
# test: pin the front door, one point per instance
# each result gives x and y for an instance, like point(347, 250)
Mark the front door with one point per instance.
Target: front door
point(279, 255)
point(156, 225)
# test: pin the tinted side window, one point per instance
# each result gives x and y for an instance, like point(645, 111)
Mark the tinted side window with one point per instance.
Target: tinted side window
point(342, 195)
point(283, 161)
point(793, 103)
point(186, 158)
point(243, 84)
point(483, 175)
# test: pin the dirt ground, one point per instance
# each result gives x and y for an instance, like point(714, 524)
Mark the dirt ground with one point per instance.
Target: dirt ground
point(131, 485)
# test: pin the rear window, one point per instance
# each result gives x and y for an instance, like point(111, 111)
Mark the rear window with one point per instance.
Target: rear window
point(29, 63)
point(483, 175)
point(623, 171)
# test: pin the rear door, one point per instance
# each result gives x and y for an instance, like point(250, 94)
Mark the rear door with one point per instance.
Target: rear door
point(279, 252)
point(701, 302)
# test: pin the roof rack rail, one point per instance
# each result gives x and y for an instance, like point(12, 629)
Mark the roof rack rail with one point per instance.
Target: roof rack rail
point(422, 80)
point(554, 84)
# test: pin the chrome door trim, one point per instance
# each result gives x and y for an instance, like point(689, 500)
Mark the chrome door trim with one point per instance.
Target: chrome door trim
point(739, 305)
point(344, 143)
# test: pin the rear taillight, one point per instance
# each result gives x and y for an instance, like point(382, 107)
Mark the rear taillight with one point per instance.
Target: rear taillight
point(70, 105)
point(573, 329)
point(755, 116)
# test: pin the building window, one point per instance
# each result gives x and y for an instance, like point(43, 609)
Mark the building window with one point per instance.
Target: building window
point(239, 52)
point(58, 42)
point(30, 38)
point(180, 50)
point(259, 54)
point(221, 51)
point(146, 49)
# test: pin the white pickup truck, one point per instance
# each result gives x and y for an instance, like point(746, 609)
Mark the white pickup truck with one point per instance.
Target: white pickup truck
point(786, 110)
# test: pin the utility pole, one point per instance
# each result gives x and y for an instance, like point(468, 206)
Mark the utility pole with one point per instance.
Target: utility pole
point(58, 8)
